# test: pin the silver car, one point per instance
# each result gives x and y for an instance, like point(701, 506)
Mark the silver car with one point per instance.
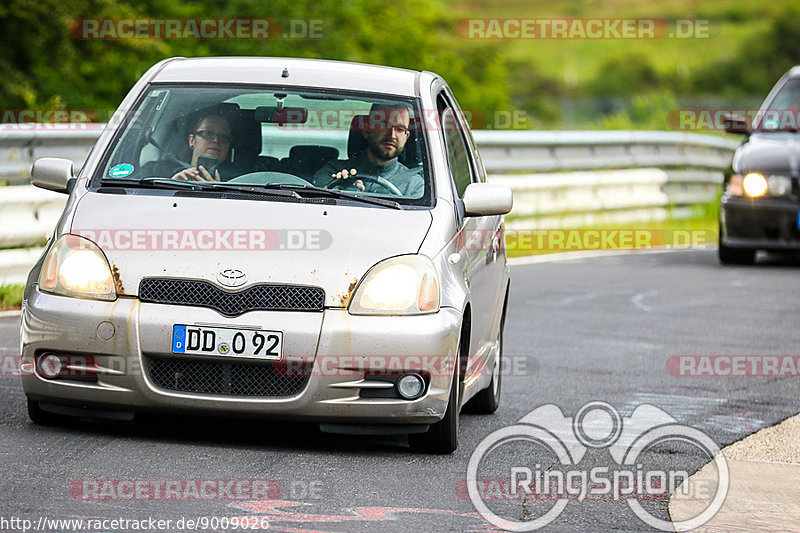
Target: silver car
point(265, 237)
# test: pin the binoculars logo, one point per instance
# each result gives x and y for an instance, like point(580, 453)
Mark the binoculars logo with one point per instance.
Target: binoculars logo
point(574, 475)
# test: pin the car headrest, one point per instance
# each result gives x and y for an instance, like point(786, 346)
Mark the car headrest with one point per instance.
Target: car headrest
point(246, 144)
point(313, 153)
point(356, 143)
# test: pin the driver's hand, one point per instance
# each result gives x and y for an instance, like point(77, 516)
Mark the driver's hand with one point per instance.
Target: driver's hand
point(345, 174)
point(193, 174)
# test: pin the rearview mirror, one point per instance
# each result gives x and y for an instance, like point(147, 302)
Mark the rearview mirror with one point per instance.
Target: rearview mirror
point(53, 174)
point(483, 199)
point(287, 115)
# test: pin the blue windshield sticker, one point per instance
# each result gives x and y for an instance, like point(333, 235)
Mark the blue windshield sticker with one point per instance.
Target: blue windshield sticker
point(120, 171)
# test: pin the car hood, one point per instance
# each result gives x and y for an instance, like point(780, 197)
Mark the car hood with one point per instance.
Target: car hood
point(328, 246)
point(777, 152)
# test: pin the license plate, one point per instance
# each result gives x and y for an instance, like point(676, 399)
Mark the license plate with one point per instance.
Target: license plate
point(257, 344)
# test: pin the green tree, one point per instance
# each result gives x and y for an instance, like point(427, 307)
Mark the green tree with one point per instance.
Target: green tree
point(44, 66)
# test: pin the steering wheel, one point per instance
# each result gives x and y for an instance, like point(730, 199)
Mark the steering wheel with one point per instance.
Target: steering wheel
point(383, 182)
point(267, 176)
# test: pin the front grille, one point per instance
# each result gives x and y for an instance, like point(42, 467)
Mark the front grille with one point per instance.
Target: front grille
point(256, 298)
point(229, 378)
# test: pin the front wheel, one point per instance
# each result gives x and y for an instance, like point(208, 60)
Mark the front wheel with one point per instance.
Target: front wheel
point(441, 437)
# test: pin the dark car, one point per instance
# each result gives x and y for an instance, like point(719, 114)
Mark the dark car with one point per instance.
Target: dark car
point(761, 197)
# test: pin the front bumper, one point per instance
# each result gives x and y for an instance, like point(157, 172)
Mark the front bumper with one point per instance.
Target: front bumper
point(759, 223)
point(338, 348)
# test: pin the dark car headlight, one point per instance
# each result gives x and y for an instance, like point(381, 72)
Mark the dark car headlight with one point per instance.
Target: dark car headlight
point(755, 184)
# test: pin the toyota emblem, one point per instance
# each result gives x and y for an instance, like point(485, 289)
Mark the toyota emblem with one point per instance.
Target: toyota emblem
point(232, 277)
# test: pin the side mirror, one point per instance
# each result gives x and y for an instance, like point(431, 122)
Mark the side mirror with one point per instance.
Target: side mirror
point(483, 199)
point(53, 174)
point(735, 124)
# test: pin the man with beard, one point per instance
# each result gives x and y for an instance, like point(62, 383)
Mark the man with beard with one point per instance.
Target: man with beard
point(385, 131)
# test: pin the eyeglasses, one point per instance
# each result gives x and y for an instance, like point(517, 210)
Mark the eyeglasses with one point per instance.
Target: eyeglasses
point(400, 130)
point(208, 135)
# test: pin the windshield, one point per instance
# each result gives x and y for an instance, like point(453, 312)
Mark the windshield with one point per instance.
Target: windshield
point(783, 113)
point(366, 145)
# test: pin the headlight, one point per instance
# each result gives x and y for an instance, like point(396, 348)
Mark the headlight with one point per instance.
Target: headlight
point(754, 185)
point(779, 185)
point(404, 285)
point(75, 266)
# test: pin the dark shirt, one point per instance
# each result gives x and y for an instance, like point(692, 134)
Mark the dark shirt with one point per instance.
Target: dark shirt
point(410, 182)
point(170, 165)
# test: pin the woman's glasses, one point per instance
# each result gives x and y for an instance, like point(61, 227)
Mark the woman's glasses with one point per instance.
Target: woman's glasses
point(208, 135)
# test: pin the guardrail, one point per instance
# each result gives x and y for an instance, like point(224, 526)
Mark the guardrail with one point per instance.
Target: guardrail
point(559, 178)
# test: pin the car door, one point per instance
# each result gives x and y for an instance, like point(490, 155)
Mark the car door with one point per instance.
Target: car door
point(478, 235)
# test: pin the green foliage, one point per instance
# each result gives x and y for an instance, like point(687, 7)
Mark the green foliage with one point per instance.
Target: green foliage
point(11, 296)
point(623, 75)
point(759, 61)
point(647, 111)
point(45, 67)
point(557, 83)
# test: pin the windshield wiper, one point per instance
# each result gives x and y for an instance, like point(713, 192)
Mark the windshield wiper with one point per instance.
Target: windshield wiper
point(153, 183)
point(288, 190)
point(167, 183)
point(334, 194)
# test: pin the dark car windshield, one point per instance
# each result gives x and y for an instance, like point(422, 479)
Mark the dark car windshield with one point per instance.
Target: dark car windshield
point(783, 112)
point(260, 136)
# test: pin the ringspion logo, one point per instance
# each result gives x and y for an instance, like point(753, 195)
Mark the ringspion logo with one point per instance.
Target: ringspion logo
point(566, 463)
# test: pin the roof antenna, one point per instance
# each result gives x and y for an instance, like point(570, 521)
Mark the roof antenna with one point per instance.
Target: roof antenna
point(285, 73)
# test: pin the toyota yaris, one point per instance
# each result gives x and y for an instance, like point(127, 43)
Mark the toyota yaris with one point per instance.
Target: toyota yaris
point(285, 238)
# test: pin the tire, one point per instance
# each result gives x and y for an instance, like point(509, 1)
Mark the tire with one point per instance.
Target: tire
point(736, 256)
point(441, 437)
point(487, 401)
point(40, 417)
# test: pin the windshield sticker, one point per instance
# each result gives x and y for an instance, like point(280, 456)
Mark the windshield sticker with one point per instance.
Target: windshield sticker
point(120, 171)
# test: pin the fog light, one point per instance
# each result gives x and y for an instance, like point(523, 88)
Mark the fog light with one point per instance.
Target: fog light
point(50, 366)
point(411, 386)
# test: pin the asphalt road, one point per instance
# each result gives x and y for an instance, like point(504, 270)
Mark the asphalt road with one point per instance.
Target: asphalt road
point(597, 329)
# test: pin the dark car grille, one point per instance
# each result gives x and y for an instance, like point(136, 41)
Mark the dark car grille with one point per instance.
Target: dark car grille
point(230, 378)
point(258, 297)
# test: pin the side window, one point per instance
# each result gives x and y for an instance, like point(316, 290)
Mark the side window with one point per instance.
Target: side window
point(457, 153)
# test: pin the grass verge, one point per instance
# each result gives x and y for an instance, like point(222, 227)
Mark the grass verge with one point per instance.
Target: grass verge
point(673, 233)
point(11, 296)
